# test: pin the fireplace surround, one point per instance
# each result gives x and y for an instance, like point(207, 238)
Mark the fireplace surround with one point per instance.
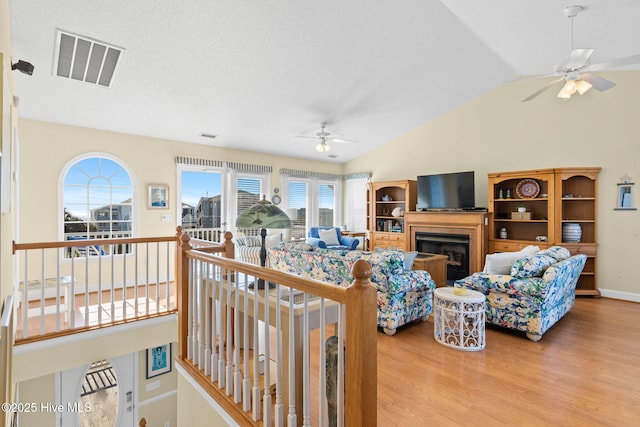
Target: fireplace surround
point(464, 227)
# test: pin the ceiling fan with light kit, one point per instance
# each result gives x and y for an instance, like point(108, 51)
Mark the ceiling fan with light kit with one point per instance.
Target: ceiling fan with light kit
point(325, 137)
point(576, 70)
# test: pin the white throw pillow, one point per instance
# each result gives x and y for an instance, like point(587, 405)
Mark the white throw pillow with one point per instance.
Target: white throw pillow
point(330, 236)
point(501, 262)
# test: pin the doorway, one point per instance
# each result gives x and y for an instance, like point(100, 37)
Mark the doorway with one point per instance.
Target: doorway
point(99, 394)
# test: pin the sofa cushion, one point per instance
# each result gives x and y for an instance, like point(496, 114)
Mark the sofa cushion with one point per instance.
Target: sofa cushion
point(557, 252)
point(249, 241)
point(407, 257)
point(501, 262)
point(383, 263)
point(532, 266)
point(330, 236)
point(295, 246)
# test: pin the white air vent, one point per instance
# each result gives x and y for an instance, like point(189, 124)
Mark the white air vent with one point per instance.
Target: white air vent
point(85, 59)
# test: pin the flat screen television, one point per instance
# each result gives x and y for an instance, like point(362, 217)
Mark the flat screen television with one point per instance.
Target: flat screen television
point(447, 191)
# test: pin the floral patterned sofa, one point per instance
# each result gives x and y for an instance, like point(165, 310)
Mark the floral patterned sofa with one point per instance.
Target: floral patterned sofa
point(403, 295)
point(539, 290)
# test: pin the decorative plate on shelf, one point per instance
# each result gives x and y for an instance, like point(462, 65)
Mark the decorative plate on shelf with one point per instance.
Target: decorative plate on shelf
point(527, 189)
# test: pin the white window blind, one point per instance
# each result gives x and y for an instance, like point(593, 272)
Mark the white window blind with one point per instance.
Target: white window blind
point(326, 214)
point(356, 202)
point(297, 206)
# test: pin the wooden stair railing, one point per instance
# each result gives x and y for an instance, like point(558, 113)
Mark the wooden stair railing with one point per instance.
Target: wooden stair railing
point(221, 318)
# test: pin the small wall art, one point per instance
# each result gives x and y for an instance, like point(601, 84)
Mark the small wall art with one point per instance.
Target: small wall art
point(625, 194)
point(158, 360)
point(158, 196)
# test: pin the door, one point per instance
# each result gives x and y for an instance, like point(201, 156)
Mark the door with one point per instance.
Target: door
point(108, 384)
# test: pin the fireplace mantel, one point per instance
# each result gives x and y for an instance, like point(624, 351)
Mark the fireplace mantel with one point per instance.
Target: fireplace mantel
point(472, 224)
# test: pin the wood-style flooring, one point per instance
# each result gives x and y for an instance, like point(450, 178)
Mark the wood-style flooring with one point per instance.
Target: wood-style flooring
point(584, 372)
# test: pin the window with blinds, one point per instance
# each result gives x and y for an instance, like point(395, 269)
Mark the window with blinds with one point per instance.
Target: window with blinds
point(237, 186)
point(327, 204)
point(297, 207)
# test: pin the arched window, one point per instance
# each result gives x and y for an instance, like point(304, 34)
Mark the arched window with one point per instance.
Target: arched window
point(98, 200)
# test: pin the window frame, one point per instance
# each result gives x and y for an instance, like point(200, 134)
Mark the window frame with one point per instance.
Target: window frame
point(313, 197)
point(61, 195)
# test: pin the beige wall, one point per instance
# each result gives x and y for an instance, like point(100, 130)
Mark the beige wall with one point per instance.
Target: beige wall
point(194, 410)
point(35, 369)
point(496, 132)
point(39, 391)
point(159, 404)
point(46, 357)
point(46, 148)
point(7, 122)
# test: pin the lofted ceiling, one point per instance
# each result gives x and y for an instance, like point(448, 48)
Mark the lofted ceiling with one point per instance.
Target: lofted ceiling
point(259, 73)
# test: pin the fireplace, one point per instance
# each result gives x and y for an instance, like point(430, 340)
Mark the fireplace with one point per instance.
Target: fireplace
point(454, 246)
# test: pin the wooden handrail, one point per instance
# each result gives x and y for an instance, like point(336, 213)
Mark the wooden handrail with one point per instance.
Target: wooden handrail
point(359, 301)
point(100, 242)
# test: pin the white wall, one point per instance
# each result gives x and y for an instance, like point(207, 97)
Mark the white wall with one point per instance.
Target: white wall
point(497, 132)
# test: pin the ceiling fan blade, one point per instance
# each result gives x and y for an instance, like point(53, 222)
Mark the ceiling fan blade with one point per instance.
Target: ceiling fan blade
point(542, 89)
point(339, 139)
point(578, 58)
point(597, 82)
point(614, 63)
point(526, 78)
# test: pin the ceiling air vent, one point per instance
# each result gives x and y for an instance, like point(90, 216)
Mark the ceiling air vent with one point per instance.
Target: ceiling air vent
point(85, 59)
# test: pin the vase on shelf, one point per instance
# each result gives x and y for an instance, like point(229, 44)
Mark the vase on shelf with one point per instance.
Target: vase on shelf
point(571, 232)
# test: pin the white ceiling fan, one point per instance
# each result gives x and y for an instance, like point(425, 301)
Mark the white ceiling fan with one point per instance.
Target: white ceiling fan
point(576, 70)
point(323, 136)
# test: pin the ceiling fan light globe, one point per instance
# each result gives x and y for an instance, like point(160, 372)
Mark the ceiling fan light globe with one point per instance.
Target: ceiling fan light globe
point(322, 148)
point(583, 86)
point(563, 94)
point(570, 86)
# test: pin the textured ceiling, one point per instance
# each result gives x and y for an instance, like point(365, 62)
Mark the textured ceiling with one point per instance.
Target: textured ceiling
point(258, 73)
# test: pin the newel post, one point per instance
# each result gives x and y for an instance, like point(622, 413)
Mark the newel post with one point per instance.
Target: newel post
point(229, 246)
point(182, 285)
point(361, 348)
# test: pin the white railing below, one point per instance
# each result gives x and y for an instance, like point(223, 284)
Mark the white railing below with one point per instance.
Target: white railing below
point(55, 294)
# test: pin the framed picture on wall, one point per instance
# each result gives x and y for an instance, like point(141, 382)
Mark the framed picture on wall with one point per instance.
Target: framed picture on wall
point(158, 360)
point(625, 196)
point(158, 196)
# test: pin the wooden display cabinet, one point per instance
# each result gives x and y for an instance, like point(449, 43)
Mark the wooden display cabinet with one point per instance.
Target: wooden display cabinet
point(520, 232)
point(566, 195)
point(576, 198)
point(385, 230)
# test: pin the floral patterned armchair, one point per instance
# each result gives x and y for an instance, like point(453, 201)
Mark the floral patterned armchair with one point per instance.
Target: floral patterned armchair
point(404, 295)
point(538, 292)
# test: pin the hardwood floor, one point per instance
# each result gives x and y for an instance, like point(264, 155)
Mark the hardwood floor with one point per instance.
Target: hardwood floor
point(584, 372)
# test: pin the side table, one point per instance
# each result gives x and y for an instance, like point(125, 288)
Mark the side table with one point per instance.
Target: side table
point(458, 320)
point(435, 264)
